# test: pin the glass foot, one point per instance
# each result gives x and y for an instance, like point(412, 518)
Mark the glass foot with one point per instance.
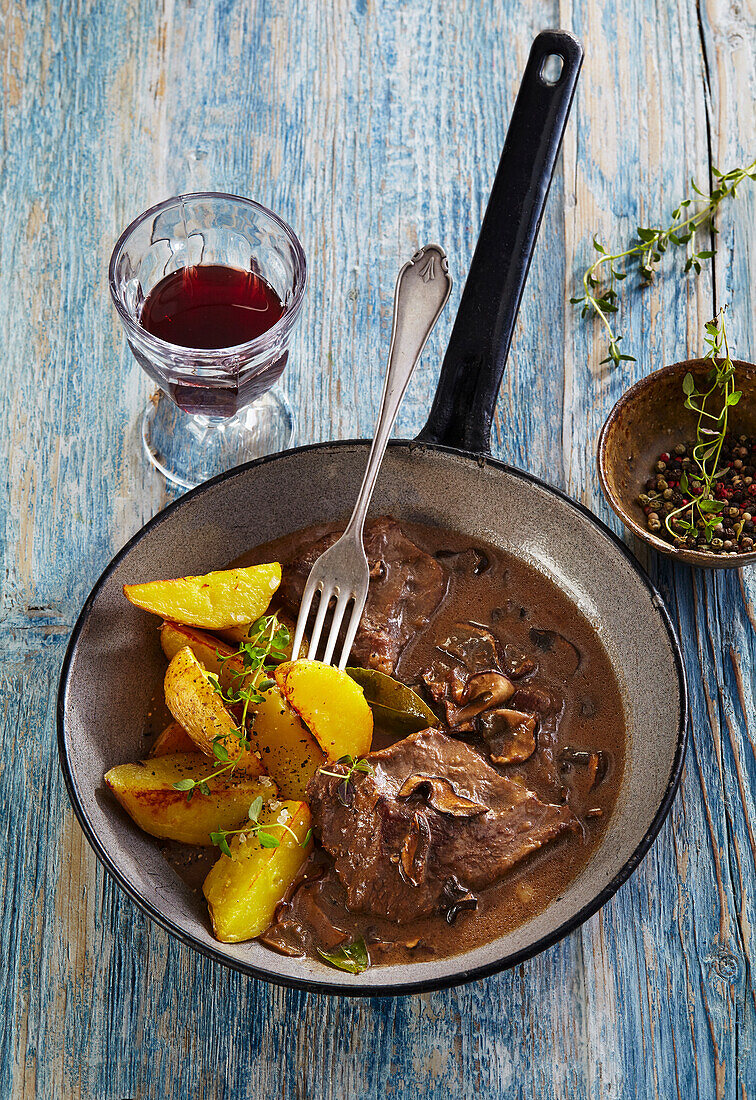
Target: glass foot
point(188, 449)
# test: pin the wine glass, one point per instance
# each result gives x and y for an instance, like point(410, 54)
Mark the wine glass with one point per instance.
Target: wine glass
point(224, 272)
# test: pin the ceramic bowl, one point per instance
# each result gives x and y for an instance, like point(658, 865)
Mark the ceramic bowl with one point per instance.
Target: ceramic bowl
point(648, 420)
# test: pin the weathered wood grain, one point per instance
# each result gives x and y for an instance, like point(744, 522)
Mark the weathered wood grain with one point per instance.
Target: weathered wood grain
point(373, 127)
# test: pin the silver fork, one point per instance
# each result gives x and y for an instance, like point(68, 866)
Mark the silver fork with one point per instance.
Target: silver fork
point(422, 290)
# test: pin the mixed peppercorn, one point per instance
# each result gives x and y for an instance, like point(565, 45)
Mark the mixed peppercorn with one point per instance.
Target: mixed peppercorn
point(672, 498)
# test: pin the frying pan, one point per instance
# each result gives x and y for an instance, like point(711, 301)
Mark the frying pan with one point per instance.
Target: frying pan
point(446, 477)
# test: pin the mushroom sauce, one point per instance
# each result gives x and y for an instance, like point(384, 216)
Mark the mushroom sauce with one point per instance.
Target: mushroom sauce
point(567, 694)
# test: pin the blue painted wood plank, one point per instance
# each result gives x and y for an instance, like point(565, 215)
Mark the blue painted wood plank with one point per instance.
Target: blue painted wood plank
point(372, 127)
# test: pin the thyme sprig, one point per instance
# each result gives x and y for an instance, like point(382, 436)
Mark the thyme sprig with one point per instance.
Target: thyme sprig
point(345, 789)
point(703, 512)
point(694, 213)
point(255, 659)
point(265, 647)
point(266, 838)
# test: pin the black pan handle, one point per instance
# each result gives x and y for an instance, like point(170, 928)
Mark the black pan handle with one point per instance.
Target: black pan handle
point(473, 366)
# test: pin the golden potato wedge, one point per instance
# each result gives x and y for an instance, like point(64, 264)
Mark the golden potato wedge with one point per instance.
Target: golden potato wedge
point(330, 704)
point(228, 597)
point(146, 792)
point(173, 738)
point(194, 703)
point(206, 648)
point(244, 889)
point(289, 753)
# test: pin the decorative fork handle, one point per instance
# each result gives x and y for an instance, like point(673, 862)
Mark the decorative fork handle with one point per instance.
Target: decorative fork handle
point(422, 290)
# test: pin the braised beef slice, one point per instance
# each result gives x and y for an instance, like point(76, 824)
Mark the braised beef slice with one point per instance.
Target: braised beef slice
point(396, 854)
point(406, 587)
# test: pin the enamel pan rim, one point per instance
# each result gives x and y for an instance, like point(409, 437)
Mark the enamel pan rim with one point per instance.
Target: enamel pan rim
point(464, 975)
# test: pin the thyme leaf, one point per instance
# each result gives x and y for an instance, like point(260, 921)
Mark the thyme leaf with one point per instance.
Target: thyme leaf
point(345, 789)
point(256, 829)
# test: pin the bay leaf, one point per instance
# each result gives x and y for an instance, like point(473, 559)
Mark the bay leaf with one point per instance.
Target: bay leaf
point(396, 708)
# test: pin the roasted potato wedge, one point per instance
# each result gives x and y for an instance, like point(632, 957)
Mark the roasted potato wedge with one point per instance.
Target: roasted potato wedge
point(330, 704)
point(146, 792)
point(228, 597)
point(193, 702)
point(173, 738)
point(289, 753)
point(244, 889)
point(205, 647)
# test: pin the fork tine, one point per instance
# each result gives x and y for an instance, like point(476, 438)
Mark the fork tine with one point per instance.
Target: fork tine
point(354, 621)
point(326, 591)
point(302, 617)
point(338, 615)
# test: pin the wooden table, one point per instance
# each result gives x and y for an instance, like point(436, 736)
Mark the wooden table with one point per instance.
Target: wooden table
point(372, 127)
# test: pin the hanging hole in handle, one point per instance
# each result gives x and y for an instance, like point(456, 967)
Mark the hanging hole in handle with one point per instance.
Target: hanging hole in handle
point(551, 69)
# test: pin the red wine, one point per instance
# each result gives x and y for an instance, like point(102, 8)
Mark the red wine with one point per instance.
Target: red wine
point(209, 306)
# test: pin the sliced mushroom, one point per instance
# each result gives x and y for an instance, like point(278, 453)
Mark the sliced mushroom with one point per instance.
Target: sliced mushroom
point(454, 898)
point(458, 684)
point(510, 735)
point(473, 560)
point(440, 794)
point(436, 680)
point(414, 851)
point(443, 679)
point(377, 940)
point(286, 937)
point(310, 912)
point(534, 700)
point(483, 692)
point(596, 763)
point(517, 664)
point(473, 645)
